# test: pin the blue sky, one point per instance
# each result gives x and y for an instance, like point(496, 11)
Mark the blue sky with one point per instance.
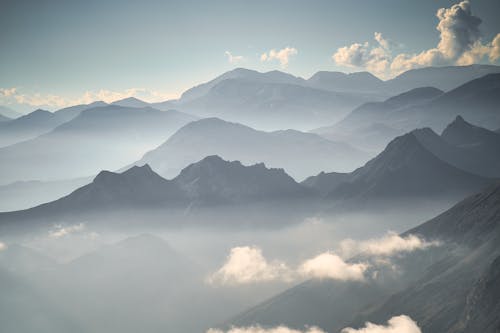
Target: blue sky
point(54, 52)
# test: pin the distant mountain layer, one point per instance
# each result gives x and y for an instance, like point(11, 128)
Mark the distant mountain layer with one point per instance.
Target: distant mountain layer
point(9, 113)
point(300, 154)
point(476, 100)
point(449, 288)
point(211, 181)
point(419, 164)
point(101, 137)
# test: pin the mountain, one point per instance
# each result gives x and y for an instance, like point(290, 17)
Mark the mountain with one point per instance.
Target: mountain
point(103, 137)
point(72, 111)
point(9, 113)
point(131, 102)
point(209, 182)
point(240, 73)
point(354, 82)
point(271, 105)
point(300, 154)
point(366, 126)
point(405, 169)
point(27, 127)
point(476, 100)
point(450, 296)
point(4, 118)
point(452, 287)
point(445, 78)
point(26, 194)
point(216, 180)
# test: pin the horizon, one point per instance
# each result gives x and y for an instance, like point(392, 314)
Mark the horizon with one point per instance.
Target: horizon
point(177, 45)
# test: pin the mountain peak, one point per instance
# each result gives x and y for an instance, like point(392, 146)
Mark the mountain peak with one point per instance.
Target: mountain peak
point(462, 133)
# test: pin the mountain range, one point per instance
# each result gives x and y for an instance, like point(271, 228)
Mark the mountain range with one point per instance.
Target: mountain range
point(300, 154)
point(372, 125)
point(102, 137)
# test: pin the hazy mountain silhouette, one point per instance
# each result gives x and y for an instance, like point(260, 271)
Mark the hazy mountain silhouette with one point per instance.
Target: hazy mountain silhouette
point(9, 113)
point(211, 181)
point(72, 111)
point(476, 101)
point(301, 154)
point(103, 137)
point(4, 118)
point(367, 126)
point(437, 287)
point(27, 127)
point(354, 82)
point(405, 169)
point(445, 78)
point(131, 102)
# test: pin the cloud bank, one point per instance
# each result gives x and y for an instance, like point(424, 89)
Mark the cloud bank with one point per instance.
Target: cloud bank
point(387, 245)
point(258, 329)
point(283, 55)
point(61, 231)
point(459, 44)
point(398, 324)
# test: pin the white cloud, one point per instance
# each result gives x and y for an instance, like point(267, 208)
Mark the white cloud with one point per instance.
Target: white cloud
point(3, 246)
point(246, 264)
point(233, 59)
point(330, 266)
point(459, 43)
point(60, 231)
point(388, 245)
point(7, 92)
point(283, 55)
point(258, 329)
point(398, 324)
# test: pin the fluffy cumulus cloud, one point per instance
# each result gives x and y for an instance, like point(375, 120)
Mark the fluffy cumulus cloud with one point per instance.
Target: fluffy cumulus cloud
point(283, 55)
point(388, 245)
point(233, 59)
point(398, 324)
point(61, 231)
point(459, 43)
point(258, 329)
point(247, 264)
point(330, 266)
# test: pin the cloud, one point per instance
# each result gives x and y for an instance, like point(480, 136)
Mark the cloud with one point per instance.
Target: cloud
point(245, 265)
point(7, 92)
point(258, 329)
point(330, 266)
point(233, 59)
point(459, 43)
point(61, 231)
point(3, 246)
point(388, 245)
point(398, 324)
point(283, 55)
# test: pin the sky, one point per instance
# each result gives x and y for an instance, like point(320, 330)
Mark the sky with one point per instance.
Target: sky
point(55, 53)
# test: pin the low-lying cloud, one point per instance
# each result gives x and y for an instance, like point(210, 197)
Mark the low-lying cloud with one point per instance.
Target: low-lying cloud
point(283, 55)
point(246, 264)
point(459, 44)
point(398, 324)
point(330, 266)
point(258, 329)
point(387, 245)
